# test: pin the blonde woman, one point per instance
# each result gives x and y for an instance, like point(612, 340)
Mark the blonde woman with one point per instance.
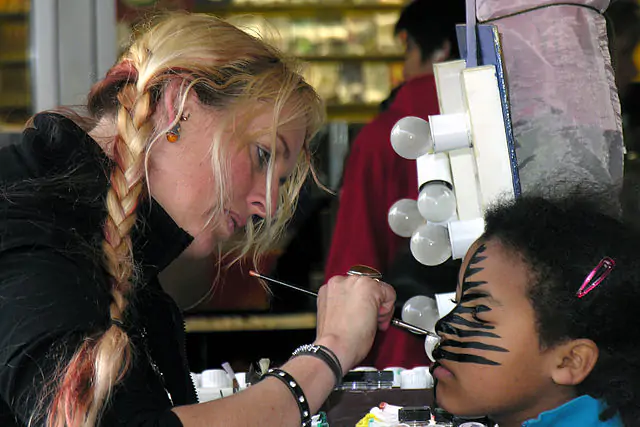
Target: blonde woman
point(197, 131)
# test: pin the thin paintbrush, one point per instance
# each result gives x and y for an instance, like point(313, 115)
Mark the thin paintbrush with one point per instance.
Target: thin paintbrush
point(395, 322)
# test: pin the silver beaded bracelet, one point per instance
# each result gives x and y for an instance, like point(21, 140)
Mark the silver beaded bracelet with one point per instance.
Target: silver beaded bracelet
point(323, 353)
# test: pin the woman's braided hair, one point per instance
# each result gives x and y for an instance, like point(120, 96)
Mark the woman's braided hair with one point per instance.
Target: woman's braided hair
point(228, 70)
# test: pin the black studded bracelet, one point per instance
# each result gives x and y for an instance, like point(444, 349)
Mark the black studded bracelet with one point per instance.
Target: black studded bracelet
point(296, 391)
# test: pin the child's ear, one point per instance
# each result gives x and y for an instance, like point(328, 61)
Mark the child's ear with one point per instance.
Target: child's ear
point(574, 361)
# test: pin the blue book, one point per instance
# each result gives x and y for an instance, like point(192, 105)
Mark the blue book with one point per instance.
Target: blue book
point(489, 52)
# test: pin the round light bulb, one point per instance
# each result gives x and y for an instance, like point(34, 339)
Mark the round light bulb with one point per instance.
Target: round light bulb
point(421, 311)
point(404, 217)
point(436, 202)
point(411, 137)
point(430, 244)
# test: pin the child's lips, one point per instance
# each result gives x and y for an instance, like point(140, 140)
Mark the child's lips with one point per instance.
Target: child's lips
point(440, 372)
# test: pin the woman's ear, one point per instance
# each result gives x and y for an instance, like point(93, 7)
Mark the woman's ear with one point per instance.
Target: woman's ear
point(573, 361)
point(172, 97)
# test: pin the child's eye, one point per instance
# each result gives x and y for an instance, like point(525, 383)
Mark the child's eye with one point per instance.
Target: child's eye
point(264, 156)
point(478, 309)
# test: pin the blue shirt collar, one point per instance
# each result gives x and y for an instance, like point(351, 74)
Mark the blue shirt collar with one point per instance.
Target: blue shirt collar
point(582, 411)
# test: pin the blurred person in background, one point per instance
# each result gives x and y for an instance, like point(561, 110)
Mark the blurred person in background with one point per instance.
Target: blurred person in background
point(375, 177)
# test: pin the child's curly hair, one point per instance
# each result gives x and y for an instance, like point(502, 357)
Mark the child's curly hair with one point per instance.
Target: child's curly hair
point(562, 240)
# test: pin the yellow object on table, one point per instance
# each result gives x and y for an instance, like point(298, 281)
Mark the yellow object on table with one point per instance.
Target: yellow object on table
point(364, 422)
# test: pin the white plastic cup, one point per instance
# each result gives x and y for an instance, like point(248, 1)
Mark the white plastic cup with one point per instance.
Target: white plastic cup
point(413, 379)
point(215, 378)
point(427, 374)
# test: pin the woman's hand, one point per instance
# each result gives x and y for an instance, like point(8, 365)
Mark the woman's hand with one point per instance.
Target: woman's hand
point(350, 309)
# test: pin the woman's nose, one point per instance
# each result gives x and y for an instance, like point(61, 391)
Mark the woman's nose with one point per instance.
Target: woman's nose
point(258, 201)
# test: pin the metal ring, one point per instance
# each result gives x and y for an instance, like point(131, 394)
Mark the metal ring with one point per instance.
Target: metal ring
point(364, 271)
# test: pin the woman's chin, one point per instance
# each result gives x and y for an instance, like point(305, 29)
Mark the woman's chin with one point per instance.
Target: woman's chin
point(202, 246)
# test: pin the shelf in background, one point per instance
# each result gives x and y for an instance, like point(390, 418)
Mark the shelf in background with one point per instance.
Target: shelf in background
point(14, 15)
point(250, 322)
point(355, 113)
point(298, 9)
point(11, 128)
point(352, 58)
point(18, 101)
point(12, 62)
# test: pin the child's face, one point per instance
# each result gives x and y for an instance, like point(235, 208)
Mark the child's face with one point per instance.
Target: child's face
point(489, 361)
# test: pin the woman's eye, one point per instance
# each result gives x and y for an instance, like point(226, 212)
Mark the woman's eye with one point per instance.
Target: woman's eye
point(264, 156)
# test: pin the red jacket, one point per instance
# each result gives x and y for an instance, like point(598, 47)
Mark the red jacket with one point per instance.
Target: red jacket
point(375, 177)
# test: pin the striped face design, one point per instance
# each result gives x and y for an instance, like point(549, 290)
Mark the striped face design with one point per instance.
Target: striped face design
point(490, 361)
point(463, 328)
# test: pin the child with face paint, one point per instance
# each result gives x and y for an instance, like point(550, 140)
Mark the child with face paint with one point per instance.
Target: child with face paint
point(546, 328)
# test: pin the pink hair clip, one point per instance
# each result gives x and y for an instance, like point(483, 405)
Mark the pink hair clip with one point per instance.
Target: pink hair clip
point(597, 275)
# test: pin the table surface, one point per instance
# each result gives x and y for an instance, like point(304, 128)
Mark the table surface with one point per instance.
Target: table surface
point(344, 408)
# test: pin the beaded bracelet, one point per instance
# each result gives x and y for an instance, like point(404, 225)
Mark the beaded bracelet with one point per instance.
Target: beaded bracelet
point(296, 390)
point(323, 353)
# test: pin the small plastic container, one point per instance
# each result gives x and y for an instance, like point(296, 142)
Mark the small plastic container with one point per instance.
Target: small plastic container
point(367, 380)
point(414, 416)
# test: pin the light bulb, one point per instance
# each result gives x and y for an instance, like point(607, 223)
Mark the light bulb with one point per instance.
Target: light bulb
point(430, 244)
point(404, 217)
point(436, 202)
point(421, 311)
point(411, 137)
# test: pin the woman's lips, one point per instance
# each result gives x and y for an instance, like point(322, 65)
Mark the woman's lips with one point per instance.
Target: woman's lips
point(232, 224)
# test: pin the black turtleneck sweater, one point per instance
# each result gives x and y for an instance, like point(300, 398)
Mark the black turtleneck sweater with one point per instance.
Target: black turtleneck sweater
point(54, 291)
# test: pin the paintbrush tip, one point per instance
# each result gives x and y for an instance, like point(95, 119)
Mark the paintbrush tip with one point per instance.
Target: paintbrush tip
point(253, 273)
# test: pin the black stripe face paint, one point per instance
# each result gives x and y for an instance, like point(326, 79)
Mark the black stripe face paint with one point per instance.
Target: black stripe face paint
point(464, 358)
point(463, 321)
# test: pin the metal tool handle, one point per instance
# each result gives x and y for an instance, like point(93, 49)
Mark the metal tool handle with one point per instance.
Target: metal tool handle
point(409, 327)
